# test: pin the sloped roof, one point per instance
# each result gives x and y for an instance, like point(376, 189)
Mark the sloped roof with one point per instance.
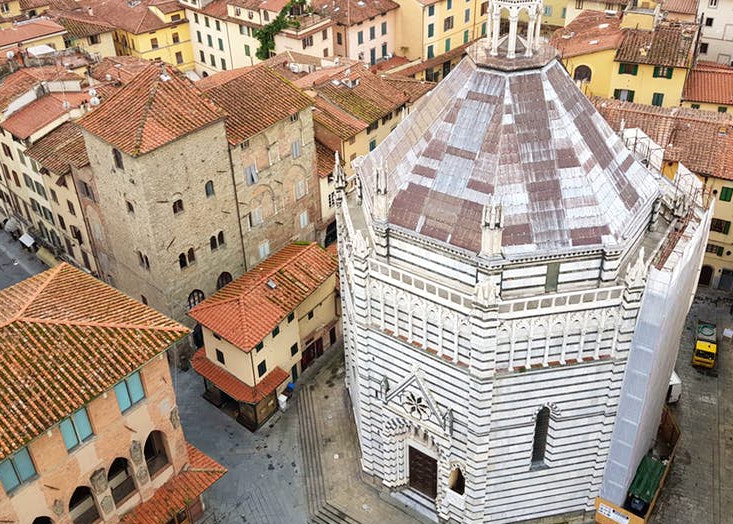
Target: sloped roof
point(65, 338)
point(133, 17)
point(81, 25)
point(412, 87)
point(710, 83)
point(701, 140)
point(336, 120)
point(29, 30)
point(685, 7)
point(119, 68)
point(42, 112)
point(60, 149)
point(528, 140)
point(255, 100)
point(325, 160)
point(24, 79)
point(150, 111)
point(589, 32)
point(352, 12)
point(668, 45)
point(178, 492)
point(246, 310)
point(369, 98)
point(234, 387)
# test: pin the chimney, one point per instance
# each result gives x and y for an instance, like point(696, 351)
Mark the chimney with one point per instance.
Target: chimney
point(90, 11)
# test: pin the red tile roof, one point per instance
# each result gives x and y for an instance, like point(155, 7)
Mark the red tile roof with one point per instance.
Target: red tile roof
point(246, 310)
point(589, 32)
point(255, 100)
point(136, 18)
point(61, 149)
point(391, 63)
point(369, 98)
point(195, 478)
point(25, 79)
point(119, 68)
point(709, 83)
point(668, 45)
point(255, 5)
point(37, 115)
point(151, 111)
point(81, 25)
point(412, 87)
point(65, 338)
point(352, 12)
point(325, 160)
point(231, 385)
point(701, 140)
point(436, 61)
point(336, 120)
point(31, 30)
point(685, 7)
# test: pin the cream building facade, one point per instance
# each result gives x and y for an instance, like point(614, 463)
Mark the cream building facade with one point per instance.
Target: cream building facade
point(503, 267)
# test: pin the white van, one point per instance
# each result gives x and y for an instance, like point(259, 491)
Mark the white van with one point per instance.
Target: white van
point(675, 388)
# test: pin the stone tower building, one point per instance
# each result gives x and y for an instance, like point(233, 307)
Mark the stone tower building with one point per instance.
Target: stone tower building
point(513, 284)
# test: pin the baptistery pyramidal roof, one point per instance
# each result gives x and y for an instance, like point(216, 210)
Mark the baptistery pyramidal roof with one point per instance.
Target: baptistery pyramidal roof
point(513, 134)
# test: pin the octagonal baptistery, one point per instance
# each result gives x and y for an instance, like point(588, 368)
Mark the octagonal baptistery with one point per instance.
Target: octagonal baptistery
point(506, 355)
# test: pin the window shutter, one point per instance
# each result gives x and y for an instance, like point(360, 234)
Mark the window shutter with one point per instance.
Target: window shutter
point(656, 72)
point(635, 69)
point(123, 399)
point(617, 93)
point(630, 97)
point(135, 386)
point(81, 421)
point(726, 227)
point(68, 433)
point(670, 70)
point(620, 70)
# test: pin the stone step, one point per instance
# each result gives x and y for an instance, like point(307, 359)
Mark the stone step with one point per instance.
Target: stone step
point(416, 504)
point(310, 448)
point(332, 515)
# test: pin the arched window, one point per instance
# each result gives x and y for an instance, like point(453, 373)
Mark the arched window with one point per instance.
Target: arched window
point(121, 479)
point(42, 520)
point(154, 450)
point(209, 188)
point(220, 237)
point(182, 260)
point(117, 156)
point(82, 508)
point(191, 256)
point(196, 297)
point(456, 482)
point(177, 206)
point(223, 280)
point(582, 74)
point(540, 437)
point(213, 244)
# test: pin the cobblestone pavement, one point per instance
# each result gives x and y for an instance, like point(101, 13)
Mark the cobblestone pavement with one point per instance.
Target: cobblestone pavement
point(302, 466)
point(16, 263)
point(699, 486)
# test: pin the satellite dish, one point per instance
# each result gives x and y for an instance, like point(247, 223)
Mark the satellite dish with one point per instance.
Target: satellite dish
point(65, 104)
point(94, 101)
point(10, 55)
point(92, 92)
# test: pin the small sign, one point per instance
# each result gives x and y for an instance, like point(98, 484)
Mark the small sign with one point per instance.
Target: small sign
point(608, 511)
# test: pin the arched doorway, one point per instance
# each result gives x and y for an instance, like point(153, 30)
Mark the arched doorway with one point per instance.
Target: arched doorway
point(706, 276)
point(155, 455)
point(121, 480)
point(42, 520)
point(582, 74)
point(223, 280)
point(82, 508)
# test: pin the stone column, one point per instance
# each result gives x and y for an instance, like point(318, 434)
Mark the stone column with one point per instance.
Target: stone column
point(530, 34)
point(495, 27)
point(538, 24)
point(512, 40)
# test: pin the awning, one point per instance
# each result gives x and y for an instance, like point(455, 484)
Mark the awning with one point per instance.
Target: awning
point(27, 240)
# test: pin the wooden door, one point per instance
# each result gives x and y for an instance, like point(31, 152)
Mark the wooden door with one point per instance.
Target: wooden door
point(423, 473)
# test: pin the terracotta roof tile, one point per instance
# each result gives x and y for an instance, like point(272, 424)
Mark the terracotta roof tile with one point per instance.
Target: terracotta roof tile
point(589, 32)
point(25, 31)
point(151, 111)
point(709, 83)
point(389, 64)
point(65, 338)
point(325, 160)
point(369, 98)
point(119, 68)
point(339, 122)
point(37, 115)
point(685, 7)
point(435, 61)
point(667, 45)
point(60, 149)
point(352, 12)
point(255, 100)
point(410, 86)
point(246, 310)
point(81, 25)
point(195, 478)
point(701, 140)
point(136, 18)
point(234, 387)
point(254, 5)
point(25, 79)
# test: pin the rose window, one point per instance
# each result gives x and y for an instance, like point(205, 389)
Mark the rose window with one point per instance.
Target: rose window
point(416, 406)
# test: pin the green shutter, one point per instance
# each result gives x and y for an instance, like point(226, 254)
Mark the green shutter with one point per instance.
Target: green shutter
point(656, 72)
point(616, 94)
point(726, 193)
point(621, 69)
point(726, 227)
point(720, 251)
point(669, 72)
point(630, 98)
point(634, 69)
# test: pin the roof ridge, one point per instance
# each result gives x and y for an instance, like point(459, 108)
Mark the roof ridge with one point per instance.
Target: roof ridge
point(146, 112)
point(51, 275)
point(89, 323)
